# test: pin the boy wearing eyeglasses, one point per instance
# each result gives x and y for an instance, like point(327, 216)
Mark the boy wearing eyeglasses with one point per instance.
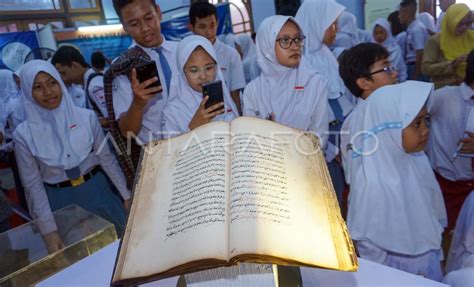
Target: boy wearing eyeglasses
point(203, 22)
point(287, 91)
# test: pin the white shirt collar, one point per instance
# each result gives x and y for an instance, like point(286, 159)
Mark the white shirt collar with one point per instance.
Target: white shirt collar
point(466, 91)
point(164, 44)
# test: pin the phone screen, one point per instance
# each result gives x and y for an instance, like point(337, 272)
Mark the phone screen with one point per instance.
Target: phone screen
point(214, 91)
point(148, 71)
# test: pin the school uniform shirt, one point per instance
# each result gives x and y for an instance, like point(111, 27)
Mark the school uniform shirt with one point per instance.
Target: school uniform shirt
point(123, 95)
point(439, 20)
point(184, 101)
point(401, 40)
point(297, 96)
point(364, 36)
point(231, 66)
point(249, 55)
point(49, 142)
point(395, 53)
point(11, 108)
point(415, 41)
point(95, 91)
point(395, 202)
point(320, 57)
point(428, 21)
point(448, 107)
point(78, 95)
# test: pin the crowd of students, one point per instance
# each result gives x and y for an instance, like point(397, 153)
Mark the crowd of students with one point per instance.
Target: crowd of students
point(404, 149)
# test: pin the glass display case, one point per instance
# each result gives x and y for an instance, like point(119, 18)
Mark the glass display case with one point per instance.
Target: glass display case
point(24, 255)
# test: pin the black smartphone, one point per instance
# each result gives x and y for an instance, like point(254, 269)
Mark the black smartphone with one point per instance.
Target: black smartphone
point(147, 71)
point(214, 91)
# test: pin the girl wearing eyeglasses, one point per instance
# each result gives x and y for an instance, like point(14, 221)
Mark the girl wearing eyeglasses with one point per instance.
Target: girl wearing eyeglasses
point(287, 90)
point(186, 108)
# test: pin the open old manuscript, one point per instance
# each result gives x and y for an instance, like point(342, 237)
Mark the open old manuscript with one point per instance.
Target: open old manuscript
point(247, 191)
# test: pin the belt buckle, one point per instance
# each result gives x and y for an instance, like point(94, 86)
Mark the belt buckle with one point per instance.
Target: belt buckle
point(78, 181)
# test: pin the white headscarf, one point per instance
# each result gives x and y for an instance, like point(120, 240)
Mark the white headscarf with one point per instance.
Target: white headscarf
point(347, 25)
point(184, 100)
point(290, 93)
point(395, 201)
point(229, 40)
point(317, 53)
point(8, 87)
point(61, 137)
point(428, 21)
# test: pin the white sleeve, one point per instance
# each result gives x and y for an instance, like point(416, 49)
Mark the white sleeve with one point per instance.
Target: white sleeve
point(236, 73)
point(36, 197)
point(96, 94)
point(107, 159)
point(320, 119)
point(249, 107)
point(122, 95)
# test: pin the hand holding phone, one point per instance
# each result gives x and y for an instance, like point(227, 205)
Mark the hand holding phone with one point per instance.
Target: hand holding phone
point(214, 91)
point(147, 71)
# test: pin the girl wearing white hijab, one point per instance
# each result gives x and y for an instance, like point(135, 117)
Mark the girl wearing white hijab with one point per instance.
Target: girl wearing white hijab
point(185, 110)
point(249, 56)
point(396, 210)
point(347, 36)
point(11, 107)
point(382, 34)
point(320, 33)
point(60, 151)
point(287, 90)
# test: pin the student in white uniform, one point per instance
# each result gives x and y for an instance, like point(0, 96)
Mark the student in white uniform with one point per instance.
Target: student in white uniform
point(11, 107)
point(203, 22)
point(347, 33)
point(443, 5)
point(196, 65)
point(364, 68)
point(320, 34)
point(288, 91)
point(73, 68)
point(396, 211)
point(249, 55)
point(449, 108)
point(382, 35)
point(61, 152)
point(140, 111)
point(428, 21)
point(416, 37)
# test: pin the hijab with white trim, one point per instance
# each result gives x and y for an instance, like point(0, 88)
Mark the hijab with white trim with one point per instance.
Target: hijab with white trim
point(395, 201)
point(317, 53)
point(290, 93)
point(184, 100)
point(61, 137)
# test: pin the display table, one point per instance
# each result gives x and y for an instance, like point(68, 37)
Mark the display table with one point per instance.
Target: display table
point(24, 256)
point(96, 270)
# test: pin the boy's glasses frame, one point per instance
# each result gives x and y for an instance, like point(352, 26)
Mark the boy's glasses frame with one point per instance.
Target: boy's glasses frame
point(389, 70)
point(286, 42)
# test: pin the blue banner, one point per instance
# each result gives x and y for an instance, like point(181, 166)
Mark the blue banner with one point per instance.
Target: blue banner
point(14, 47)
point(111, 46)
point(177, 28)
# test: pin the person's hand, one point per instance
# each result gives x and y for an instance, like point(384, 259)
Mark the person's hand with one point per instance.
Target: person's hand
point(127, 204)
point(203, 115)
point(468, 143)
point(53, 242)
point(455, 63)
point(141, 94)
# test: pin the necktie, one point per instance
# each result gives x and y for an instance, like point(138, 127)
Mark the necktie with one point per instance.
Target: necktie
point(165, 67)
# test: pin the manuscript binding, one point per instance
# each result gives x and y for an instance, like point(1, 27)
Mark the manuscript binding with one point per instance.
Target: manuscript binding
point(246, 191)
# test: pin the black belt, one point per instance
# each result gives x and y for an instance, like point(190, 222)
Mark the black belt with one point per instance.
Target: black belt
point(411, 63)
point(78, 181)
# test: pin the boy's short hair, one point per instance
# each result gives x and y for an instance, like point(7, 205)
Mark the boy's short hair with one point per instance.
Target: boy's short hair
point(469, 79)
point(119, 4)
point(98, 60)
point(201, 10)
point(66, 54)
point(356, 62)
point(407, 3)
point(395, 24)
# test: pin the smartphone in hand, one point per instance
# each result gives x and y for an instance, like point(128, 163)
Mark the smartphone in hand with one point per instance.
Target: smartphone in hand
point(147, 71)
point(214, 91)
